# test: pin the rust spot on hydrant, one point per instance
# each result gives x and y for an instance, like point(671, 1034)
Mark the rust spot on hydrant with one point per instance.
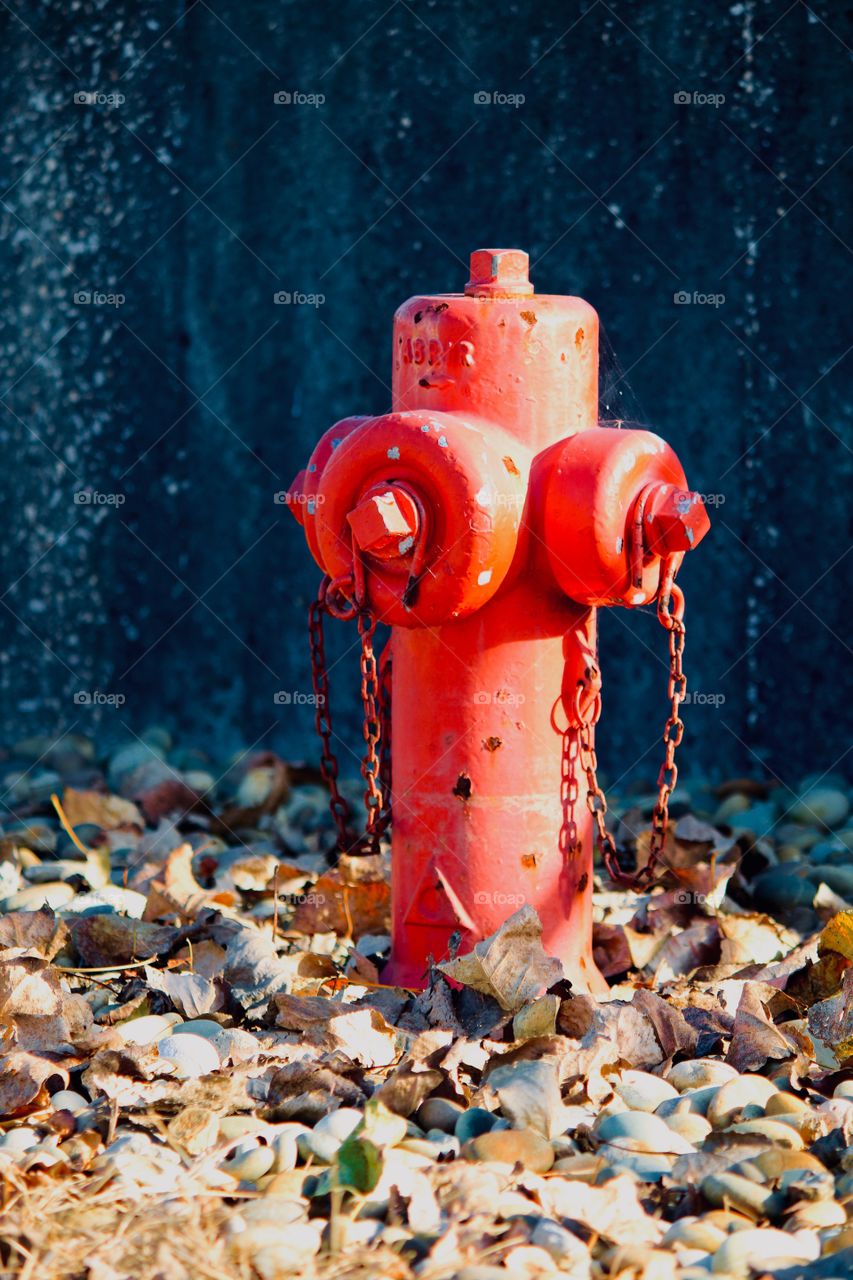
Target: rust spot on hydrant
point(463, 787)
point(528, 317)
point(510, 466)
point(579, 338)
point(492, 744)
point(529, 860)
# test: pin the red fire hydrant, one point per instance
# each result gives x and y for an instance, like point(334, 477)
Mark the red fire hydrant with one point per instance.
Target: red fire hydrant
point(485, 518)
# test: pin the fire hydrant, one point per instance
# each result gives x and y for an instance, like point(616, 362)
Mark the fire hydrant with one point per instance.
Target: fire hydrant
point(485, 519)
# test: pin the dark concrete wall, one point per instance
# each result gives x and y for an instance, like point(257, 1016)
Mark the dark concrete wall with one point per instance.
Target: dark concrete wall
point(197, 197)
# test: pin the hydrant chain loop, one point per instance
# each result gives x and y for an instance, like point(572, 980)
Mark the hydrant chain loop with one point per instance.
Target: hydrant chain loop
point(322, 716)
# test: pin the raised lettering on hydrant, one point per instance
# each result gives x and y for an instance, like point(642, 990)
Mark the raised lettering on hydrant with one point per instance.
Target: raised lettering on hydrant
point(485, 518)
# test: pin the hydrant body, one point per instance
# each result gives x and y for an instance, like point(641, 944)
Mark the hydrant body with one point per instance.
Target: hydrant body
point(484, 518)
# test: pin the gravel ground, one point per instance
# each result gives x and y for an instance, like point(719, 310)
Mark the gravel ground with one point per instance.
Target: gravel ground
point(202, 1075)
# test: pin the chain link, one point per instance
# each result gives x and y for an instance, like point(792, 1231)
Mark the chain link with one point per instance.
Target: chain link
point(587, 711)
point(338, 806)
point(337, 599)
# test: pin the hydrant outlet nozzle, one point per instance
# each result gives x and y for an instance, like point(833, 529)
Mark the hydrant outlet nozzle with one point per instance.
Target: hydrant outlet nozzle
point(386, 522)
point(674, 520)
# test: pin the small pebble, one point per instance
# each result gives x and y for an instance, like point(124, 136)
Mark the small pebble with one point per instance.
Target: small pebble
point(821, 806)
point(751, 1198)
point(699, 1073)
point(148, 1029)
point(249, 1165)
point(439, 1113)
point(473, 1122)
point(639, 1131)
point(191, 1055)
point(733, 1097)
point(641, 1091)
point(204, 1027)
point(512, 1146)
point(69, 1100)
point(323, 1141)
point(35, 896)
point(763, 1249)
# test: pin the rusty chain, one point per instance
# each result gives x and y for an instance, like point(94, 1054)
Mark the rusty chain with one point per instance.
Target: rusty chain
point(587, 712)
point(338, 598)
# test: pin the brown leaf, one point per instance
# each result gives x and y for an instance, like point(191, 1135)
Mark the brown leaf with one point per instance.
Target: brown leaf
point(361, 1033)
point(755, 1038)
point(347, 900)
point(43, 1017)
point(753, 938)
point(674, 1034)
point(113, 939)
point(176, 891)
point(511, 965)
point(264, 785)
point(37, 932)
point(306, 1090)
point(191, 994)
point(99, 809)
point(22, 1078)
point(407, 1086)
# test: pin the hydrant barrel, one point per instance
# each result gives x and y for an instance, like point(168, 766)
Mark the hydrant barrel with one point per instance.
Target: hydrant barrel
point(485, 517)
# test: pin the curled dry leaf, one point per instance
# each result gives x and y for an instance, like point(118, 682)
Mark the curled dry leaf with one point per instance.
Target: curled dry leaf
point(100, 809)
point(36, 932)
point(190, 993)
point(112, 939)
point(361, 1033)
point(22, 1080)
point(511, 965)
point(351, 900)
point(756, 1040)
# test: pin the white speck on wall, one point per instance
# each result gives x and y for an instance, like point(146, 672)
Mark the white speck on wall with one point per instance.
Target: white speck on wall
point(484, 578)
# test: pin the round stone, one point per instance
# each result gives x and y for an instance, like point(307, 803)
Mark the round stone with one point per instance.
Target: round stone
point(191, 1056)
point(512, 1146)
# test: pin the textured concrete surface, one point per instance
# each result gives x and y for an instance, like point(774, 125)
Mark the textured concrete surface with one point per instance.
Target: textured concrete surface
point(183, 408)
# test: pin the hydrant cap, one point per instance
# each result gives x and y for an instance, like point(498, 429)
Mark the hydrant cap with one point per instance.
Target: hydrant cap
point(499, 273)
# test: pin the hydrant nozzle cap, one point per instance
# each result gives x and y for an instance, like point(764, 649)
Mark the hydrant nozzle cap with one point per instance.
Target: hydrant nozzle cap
point(499, 273)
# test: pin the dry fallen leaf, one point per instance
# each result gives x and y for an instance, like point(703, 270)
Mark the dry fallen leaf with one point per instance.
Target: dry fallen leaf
point(511, 965)
point(100, 809)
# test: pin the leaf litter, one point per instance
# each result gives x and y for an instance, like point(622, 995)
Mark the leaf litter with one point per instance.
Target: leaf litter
point(203, 1075)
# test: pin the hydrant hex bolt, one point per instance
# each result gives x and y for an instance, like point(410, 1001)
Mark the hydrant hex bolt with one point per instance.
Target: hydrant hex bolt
point(675, 520)
point(527, 510)
point(385, 523)
point(499, 272)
